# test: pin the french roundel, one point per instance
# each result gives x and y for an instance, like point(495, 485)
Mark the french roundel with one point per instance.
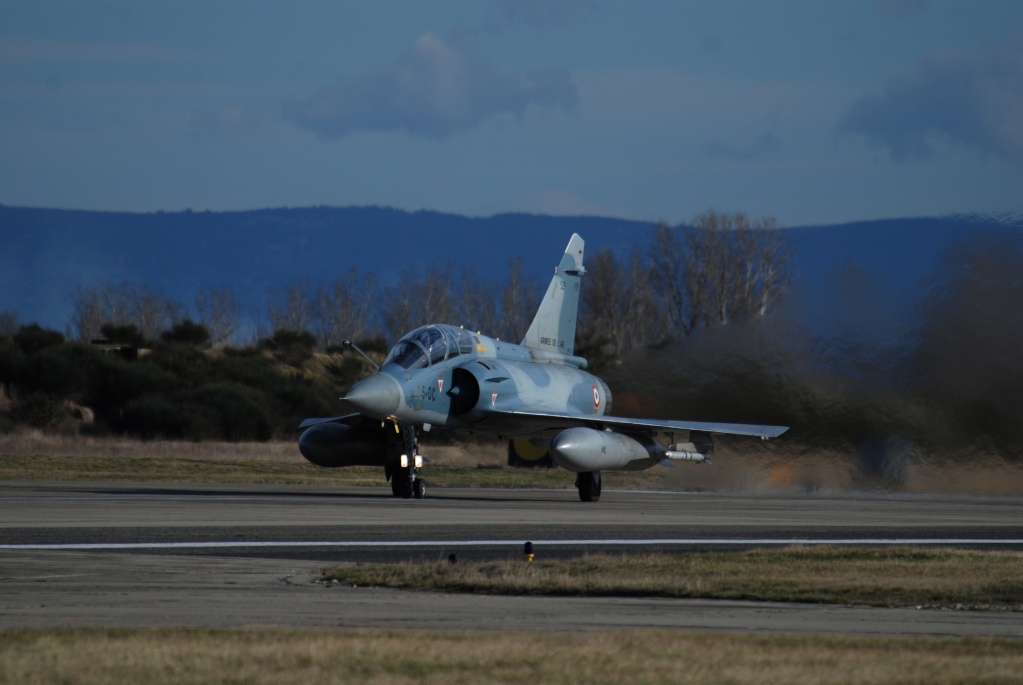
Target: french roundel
point(596, 397)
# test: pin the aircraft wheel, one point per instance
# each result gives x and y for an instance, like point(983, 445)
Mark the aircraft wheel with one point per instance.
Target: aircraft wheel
point(401, 483)
point(419, 489)
point(589, 486)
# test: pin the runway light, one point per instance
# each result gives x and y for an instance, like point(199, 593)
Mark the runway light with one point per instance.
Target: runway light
point(527, 552)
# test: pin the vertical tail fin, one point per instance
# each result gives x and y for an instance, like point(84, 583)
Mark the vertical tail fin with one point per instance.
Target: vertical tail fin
point(553, 327)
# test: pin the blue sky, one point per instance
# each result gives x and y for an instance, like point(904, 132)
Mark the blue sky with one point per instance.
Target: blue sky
point(810, 112)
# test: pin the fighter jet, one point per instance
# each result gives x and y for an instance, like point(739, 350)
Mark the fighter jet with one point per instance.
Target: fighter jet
point(444, 377)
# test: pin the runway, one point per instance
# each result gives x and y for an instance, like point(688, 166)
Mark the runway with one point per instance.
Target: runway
point(116, 554)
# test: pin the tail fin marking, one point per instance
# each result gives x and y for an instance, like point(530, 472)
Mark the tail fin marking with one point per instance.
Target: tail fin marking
point(553, 327)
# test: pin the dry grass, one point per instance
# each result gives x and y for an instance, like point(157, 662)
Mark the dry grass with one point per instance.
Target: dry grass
point(35, 456)
point(33, 443)
point(734, 468)
point(216, 470)
point(899, 576)
point(155, 657)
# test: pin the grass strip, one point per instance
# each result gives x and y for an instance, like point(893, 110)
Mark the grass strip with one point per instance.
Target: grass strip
point(211, 470)
point(164, 656)
point(891, 576)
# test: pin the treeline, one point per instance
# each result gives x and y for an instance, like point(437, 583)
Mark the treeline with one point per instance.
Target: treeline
point(704, 326)
point(195, 380)
point(174, 390)
point(722, 268)
point(944, 383)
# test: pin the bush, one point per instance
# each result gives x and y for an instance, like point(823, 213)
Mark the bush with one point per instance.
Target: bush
point(187, 332)
point(231, 412)
point(187, 364)
point(39, 410)
point(291, 347)
point(158, 416)
point(62, 371)
point(223, 411)
point(127, 334)
point(33, 338)
point(12, 362)
point(115, 382)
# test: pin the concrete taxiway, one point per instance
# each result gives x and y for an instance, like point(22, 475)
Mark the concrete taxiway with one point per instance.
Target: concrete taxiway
point(116, 554)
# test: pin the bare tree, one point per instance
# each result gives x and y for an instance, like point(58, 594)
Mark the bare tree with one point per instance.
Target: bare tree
point(617, 308)
point(676, 282)
point(399, 306)
point(436, 302)
point(344, 307)
point(122, 304)
point(520, 298)
point(418, 300)
point(478, 303)
point(8, 323)
point(152, 311)
point(292, 308)
point(219, 313)
point(722, 268)
point(93, 306)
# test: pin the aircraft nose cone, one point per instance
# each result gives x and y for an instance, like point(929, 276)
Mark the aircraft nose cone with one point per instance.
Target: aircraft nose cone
point(377, 396)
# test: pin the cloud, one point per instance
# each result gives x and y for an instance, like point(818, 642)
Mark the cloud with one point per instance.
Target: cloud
point(545, 12)
point(763, 145)
point(436, 89)
point(975, 99)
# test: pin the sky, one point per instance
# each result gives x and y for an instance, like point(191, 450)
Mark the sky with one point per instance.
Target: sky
point(815, 112)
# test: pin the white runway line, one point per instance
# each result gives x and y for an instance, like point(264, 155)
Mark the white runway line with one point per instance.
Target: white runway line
point(677, 542)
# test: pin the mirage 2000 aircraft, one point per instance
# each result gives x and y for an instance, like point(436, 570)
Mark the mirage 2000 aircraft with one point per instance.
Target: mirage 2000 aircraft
point(442, 376)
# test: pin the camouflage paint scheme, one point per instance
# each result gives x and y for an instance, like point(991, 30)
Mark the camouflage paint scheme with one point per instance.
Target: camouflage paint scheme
point(442, 376)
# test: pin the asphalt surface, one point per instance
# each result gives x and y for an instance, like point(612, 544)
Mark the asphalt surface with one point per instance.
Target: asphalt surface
point(132, 555)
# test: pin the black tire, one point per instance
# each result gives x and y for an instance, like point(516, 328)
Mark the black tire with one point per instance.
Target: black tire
point(419, 489)
point(401, 483)
point(589, 486)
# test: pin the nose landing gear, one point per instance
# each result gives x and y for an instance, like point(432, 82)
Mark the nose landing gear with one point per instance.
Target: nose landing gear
point(406, 481)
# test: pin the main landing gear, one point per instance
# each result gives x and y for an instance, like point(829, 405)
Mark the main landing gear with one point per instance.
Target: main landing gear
point(588, 484)
point(404, 469)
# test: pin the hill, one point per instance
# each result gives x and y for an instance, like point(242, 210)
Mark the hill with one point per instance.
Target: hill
point(48, 253)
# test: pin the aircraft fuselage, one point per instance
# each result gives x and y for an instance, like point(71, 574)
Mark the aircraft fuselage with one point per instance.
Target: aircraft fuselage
point(447, 377)
point(477, 385)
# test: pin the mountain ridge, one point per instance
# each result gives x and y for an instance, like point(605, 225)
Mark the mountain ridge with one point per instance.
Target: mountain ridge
point(48, 253)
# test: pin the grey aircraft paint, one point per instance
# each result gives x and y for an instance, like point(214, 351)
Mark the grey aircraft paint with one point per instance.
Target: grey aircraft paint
point(442, 376)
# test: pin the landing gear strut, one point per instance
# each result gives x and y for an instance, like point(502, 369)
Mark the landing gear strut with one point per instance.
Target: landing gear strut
point(588, 484)
point(404, 473)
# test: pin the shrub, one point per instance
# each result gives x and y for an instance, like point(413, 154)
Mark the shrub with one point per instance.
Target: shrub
point(187, 332)
point(33, 338)
point(126, 334)
point(187, 364)
point(291, 347)
point(63, 370)
point(222, 411)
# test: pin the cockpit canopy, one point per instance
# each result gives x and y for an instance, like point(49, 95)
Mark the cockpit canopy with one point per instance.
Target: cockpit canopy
point(430, 345)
